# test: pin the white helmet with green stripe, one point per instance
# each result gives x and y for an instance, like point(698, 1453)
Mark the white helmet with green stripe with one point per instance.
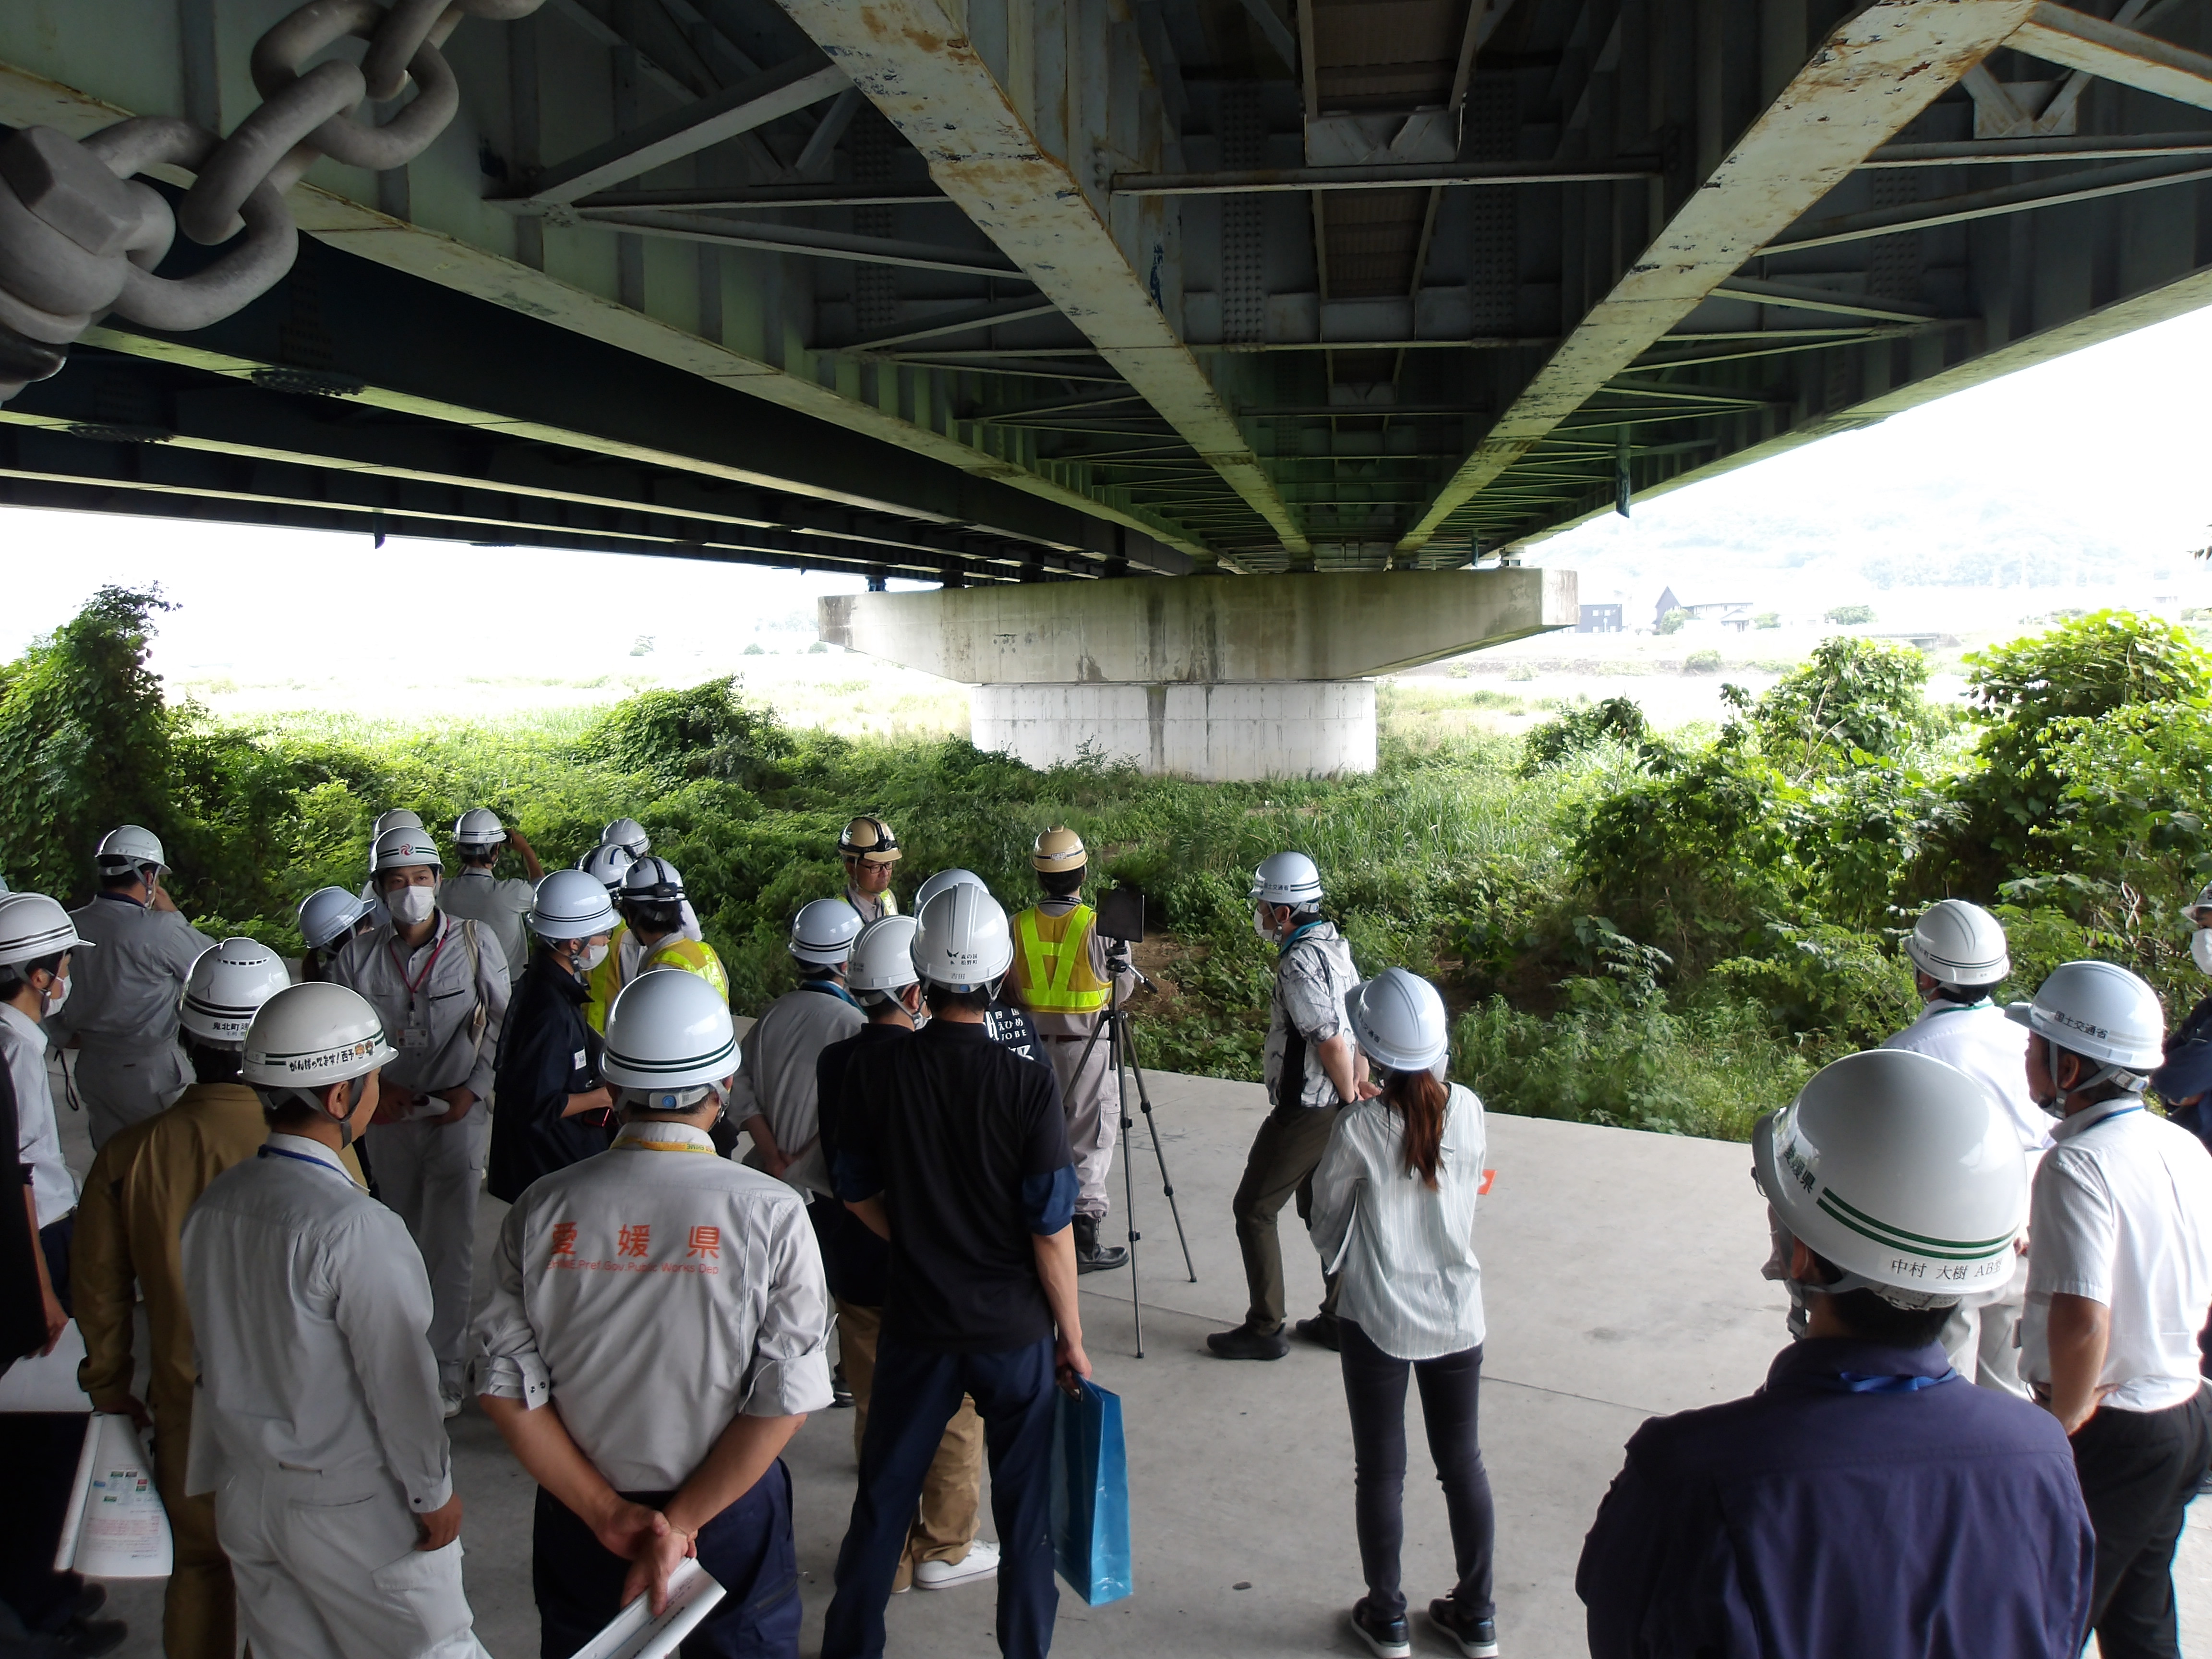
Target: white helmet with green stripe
point(1902, 1171)
point(671, 1041)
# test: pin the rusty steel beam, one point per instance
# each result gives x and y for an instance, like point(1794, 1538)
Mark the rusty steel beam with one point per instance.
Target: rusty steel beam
point(914, 62)
point(1873, 74)
point(2089, 186)
point(2075, 40)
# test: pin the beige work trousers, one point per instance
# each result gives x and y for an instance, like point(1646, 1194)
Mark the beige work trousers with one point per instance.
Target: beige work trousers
point(199, 1610)
point(1092, 1102)
point(953, 1491)
point(1980, 1336)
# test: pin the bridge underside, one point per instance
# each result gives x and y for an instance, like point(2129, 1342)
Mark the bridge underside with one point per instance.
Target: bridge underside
point(1028, 289)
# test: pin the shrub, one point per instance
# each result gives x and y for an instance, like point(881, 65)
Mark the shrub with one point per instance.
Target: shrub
point(1707, 661)
point(1849, 615)
point(1576, 730)
point(1673, 620)
point(1767, 619)
point(1853, 695)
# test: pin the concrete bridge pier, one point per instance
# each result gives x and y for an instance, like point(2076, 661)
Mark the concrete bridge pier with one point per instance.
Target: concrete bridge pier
point(1214, 677)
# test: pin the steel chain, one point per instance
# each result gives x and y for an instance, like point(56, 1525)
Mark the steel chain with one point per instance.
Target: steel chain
point(80, 236)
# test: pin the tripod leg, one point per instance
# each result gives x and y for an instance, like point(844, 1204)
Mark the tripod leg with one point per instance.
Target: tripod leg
point(1167, 1182)
point(1114, 1039)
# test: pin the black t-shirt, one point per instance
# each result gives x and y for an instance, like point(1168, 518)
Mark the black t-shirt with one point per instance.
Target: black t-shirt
point(1012, 1028)
point(966, 1142)
point(546, 1053)
point(856, 1261)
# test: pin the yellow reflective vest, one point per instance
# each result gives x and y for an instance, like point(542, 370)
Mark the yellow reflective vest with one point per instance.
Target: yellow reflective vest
point(1052, 961)
point(691, 955)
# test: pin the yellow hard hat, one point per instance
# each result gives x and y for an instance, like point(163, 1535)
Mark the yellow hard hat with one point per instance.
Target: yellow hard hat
point(869, 840)
point(1058, 849)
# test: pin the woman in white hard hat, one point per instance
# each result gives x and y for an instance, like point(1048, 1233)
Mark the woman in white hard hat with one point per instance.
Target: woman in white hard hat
point(1393, 1218)
point(329, 917)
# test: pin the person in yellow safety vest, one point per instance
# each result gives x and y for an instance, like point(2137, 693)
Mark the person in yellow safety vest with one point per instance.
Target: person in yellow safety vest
point(652, 906)
point(1061, 975)
point(869, 849)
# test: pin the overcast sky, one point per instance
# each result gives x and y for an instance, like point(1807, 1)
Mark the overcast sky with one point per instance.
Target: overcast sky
point(2107, 447)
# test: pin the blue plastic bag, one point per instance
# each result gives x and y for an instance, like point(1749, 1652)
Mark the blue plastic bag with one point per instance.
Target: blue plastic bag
point(1090, 1496)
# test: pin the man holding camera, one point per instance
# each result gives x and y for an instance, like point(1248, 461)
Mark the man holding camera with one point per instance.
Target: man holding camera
point(1313, 1071)
point(1063, 977)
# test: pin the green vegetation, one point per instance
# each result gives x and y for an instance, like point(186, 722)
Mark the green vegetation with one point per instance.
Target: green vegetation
point(1665, 932)
point(1849, 615)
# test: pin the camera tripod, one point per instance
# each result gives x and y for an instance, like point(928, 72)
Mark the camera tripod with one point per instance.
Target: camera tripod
point(1121, 1052)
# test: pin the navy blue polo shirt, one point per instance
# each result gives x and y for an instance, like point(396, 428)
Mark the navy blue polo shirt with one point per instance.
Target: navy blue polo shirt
point(1856, 1505)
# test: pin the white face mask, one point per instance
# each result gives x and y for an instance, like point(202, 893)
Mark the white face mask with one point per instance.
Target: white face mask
point(2200, 949)
point(591, 956)
point(410, 905)
point(1263, 924)
point(51, 999)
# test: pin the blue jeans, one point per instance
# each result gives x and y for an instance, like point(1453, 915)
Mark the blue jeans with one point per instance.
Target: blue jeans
point(747, 1548)
point(916, 1392)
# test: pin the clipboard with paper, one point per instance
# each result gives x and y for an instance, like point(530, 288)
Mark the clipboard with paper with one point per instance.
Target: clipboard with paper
point(635, 1633)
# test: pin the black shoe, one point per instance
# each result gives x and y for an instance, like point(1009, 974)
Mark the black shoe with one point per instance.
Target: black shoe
point(1477, 1637)
point(1089, 1258)
point(841, 1393)
point(1321, 1331)
point(1245, 1343)
point(88, 1638)
point(89, 1600)
point(1389, 1638)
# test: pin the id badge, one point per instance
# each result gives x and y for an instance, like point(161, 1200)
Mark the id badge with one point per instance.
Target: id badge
point(414, 1036)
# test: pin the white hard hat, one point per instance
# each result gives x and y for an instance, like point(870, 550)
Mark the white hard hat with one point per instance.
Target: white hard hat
point(397, 819)
point(869, 840)
point(1398, 1020)
point(402, 848)
point(228, 984)
point(2202, 901)
point(1287, 878)
point(1959, 944)
point(479, 828)
point(328, 915)
point(629, 834)
point(824, 931)
point(883, 955)
point(1901, 1170)
point(963, 942)
point(609, 861)
point(572, 904)
point(1059, 850)
point(942, 880)
point(311, 1036)
point(4, 888)
point(668, 1034)
point(129, 847)
point(652, 879)
point(2101, 1011)
point(33, 926)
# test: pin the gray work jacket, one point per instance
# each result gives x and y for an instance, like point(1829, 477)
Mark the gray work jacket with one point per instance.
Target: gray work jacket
point(429, 999)
point(124, 992)
point(776, 1076)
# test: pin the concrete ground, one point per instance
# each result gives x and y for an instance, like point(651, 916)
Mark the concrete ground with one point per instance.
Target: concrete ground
point(1620, 1280)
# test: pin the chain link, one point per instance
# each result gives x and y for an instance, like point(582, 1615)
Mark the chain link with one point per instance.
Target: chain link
point(80, 236)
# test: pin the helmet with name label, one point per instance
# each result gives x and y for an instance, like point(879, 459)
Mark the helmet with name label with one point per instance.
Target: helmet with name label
point(964, 942)
point(1290, 879)
point(2101, 1011)
point(309, 1037)
point(226, 986)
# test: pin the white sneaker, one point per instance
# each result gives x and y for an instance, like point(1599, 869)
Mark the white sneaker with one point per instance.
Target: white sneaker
point(980, 1562)
point(449, 1402)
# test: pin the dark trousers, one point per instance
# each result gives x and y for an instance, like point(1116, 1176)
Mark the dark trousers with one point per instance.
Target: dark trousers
point(1284, 1156)
point(1375, 1390)
point(2138, 1471)
point(916, 1391)
point(747, 1548)
point(39, 1451)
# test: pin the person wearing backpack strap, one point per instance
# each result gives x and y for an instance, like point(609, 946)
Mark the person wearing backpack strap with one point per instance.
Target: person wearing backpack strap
point(440, 987)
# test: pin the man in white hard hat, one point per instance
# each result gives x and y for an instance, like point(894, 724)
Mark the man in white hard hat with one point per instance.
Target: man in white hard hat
point(1313, 1070)
point(122, 1017)
point(329, 916)
point(1959, 957)
point(478, 893)
point(549, 1106)
point(1062, 976)
point(2119, 1284)
point(629, 836)
point(649, 899)
point(440, 985)
point(774, 1101)
point(129, 1245)
point(869, 850)
point(668, 1306)
point(956, 1151)
point(942, 1549)
point(1868, 1499)
point(316, 1418)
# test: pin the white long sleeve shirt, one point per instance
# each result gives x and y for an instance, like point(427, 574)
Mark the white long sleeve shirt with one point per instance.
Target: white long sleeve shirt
point(1410, 1281)
point(311, 1314)
point(428, 998)
point(1978, 1039)
point(656, 1292)
point(37, 1137)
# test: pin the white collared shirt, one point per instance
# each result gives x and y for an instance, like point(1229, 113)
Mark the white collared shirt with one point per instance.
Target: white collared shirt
point(2123, 1215)
point(657, 1291)
point(1978, 1039)
point(311, 1314)
point(1410, 1280)
point(37, 1137)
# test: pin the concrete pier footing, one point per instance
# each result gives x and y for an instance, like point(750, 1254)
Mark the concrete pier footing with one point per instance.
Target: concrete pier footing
point(1246, 730)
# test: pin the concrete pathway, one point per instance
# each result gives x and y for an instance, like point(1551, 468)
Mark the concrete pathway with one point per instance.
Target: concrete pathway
point(1621, 1279)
